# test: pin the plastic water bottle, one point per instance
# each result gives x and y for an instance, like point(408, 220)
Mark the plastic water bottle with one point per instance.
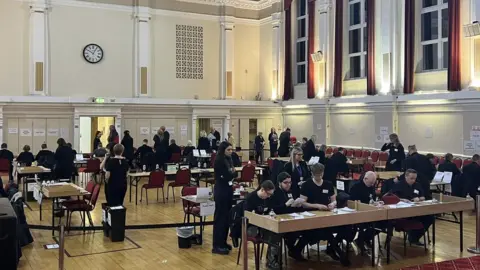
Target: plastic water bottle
point(199, 164)
point(144, 168)
point(272, 214)
point(157, 167)
point(249, 162)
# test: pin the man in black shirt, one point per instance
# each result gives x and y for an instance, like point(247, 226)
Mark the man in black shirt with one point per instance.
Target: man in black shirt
point(320, 195)
point(142, 151)
point(42, 153)
point(8, 155)
point(422, 166)
point(471, 173)
point(409, 190)
point(173, 148)
point(336, 164)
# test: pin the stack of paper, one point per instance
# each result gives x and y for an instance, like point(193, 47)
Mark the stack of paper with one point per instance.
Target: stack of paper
point(345, 210)
point(404, 204)
point(308, 214)
point(298, 202)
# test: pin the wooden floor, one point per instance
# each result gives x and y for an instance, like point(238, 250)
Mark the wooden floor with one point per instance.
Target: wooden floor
point(158, 248)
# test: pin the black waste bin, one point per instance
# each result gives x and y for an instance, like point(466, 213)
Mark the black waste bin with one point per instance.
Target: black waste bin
point(106, 227)
point(185, 237)
point(116, 220)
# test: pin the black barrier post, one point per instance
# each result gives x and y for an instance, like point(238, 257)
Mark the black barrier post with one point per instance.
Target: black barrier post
point(476, 248)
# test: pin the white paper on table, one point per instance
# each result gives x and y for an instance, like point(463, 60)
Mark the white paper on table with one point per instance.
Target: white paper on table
point(196, 153)
point(438, 177)
point(447, 177)
point(203, 153)
point(298, 202)
point(307, 214)
point(345, 210)
point(203, 192)
point(404, 204)
point(207, 208)
point(313, 160)
point(340, 185)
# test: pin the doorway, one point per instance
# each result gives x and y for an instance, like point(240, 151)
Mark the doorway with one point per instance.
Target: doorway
point(89, 127)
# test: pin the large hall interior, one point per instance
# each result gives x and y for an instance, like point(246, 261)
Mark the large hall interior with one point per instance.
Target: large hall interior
point(239, 134)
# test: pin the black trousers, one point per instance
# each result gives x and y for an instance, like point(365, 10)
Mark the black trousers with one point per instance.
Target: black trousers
point(273, 149)
point(220, 221)
point(259, 156)
point(116, 194)
point(415, 235)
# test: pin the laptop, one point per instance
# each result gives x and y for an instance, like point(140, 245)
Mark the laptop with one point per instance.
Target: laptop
point(79, 157)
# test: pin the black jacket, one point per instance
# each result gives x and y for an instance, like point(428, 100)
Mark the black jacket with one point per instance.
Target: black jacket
point(6, 154)
point(278, 200)
point(203, 144)
point(224, 174)
point(187, 150)
point(173, 148)
point(166, 138)
point(259, 143)
point(471, 177)
point(217, 135)
point(284, 141)
point(422, 165)
point(449, 166)
point(26, 158)
point(396, 153)
point(336, 164)
point(310, 151)
point(127, 142)
point(302, 172)
point(64, 160)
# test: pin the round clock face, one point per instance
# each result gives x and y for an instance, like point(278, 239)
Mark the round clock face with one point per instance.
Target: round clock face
point(93, 53)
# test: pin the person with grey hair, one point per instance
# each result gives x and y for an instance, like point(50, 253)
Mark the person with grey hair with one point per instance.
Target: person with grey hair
point(297, 168)
point(422, 166)
point(259, 145)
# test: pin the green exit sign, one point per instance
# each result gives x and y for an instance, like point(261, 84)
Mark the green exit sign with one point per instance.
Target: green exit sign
point(99, 100)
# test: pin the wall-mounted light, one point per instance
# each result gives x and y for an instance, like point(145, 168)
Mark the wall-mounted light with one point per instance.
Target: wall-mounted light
point(351, 104)
point(471, 29)
point(317, 57)
point(429, 102)
point(296, 106)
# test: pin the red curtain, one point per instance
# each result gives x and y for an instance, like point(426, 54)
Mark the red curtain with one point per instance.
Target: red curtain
point(408, 84)
point(288, 84)
point(454, 83)
point(311, 49)
point(338, 69)
point(371, 87)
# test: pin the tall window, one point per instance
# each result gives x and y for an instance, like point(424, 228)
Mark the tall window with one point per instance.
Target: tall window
point(435, 34)
point(301, 44)
point(357, 38)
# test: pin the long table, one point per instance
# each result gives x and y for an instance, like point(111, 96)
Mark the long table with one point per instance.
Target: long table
point(364, 213)
point(134, 178)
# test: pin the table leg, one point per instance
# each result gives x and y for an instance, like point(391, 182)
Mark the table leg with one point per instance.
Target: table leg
point(373, 245)
point(433, 229)
point(245, 243)
point(389, 238)
point(136, 190)
point(461, 231)
point(201, 231)
point(53, 216)
point(41, 207)
point(131, 186)
point(280, 256)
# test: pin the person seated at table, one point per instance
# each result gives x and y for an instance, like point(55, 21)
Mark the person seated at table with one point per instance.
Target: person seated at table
point(188, 149)
point(173, 148)
point(282, 202)
point(422, 166)
point(74, 152)
point(320, 195)
point(26, 157)
point(449, 166)
point(8, 155)
point(298, 169)
point(45, 157)
point(336, 164)
point(431, 158)
point(256, 202)
point(142, 151)
point(409, 190)
point(42, 153)
point(203, 142)
point(100, 152)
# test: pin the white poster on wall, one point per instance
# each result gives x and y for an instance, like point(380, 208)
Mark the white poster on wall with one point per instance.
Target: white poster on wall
point(383, 130)
point(475, 135)
point(25, 132)
point(52, 132)
point(155, 130)
point(12, 130)
point(429, 132)
point(39, 132)
point(64, 133)
point(183, 133)
point(469, 147)
point(183, 128)
point(144, 130)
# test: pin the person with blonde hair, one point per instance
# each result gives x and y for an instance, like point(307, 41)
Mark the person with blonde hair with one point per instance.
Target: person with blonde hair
point(297, 168)
point(396, 153)
point(203, 141)
point(231, 140)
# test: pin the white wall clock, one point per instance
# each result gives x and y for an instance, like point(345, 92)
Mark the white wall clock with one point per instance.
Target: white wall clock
point(93, 53)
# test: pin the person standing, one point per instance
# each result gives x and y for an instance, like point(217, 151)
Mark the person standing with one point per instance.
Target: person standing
point(224, 175)
point(273, 140)
point(113, 136)
point(396, 153)
point(297, 169)
point(64, 160)
point(160, 148)
point(166, 136)
point(97, 140)
point(259, 145)
point(284, 139)
point(231, 140)
point(310, 150)
point(116, 168)
point(127, 142)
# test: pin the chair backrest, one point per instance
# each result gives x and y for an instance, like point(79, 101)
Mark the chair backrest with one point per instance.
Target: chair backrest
point(90, 187)
point(176, 157)
point(365, 154)
point(212, 160)
point(349, 153)
point(390, 198)
point(357, 153)
point(329, 150)
point(94, 197)
point(467, 161)
point(374, 156)
point(458, 162)
point(183, 177)
point(93, 165)
point(4, 165)
point(188, 191)
point(368, 167)
point(344, 151)
point(156, 179)
point(248, 173)
point(383, 156)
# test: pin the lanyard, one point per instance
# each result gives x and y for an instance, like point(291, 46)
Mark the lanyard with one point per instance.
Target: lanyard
point(299, 169)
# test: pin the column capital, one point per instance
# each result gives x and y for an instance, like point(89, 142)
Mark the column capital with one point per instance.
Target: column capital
point(194, 117)
point(323, 6)
point(143, 14)
point(276, 19)
point(227, 117)
point(227, 23)
point(38, 6)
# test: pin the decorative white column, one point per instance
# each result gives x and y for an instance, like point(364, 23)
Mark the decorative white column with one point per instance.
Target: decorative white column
point(384, 45)
point(142, 52)
point(194, 130)
point(325, 45)
point(227, 52)
point(76, 130)
point(118, 124)
point(397, 44)
point(38, 64)
point(226, 127)
point(276, 54)
point(475, 47)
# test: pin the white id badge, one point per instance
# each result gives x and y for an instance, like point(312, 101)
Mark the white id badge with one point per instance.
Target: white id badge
point(301, 179)
point(325, 191)
point(396, 150)
point(230, 183)
point(290, 195)
point(415, 191)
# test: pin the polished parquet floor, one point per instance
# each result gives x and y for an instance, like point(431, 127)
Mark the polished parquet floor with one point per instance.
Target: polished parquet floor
point(158, 248)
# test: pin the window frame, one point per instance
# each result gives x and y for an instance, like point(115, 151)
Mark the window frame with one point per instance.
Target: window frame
point(362, 26)
point(439, 41)
point(299, 40)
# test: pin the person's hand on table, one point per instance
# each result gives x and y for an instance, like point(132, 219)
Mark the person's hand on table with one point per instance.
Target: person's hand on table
point(416, 199)
point(332, 206)
point(393, 161)
point(322, 207)
point(289, 202)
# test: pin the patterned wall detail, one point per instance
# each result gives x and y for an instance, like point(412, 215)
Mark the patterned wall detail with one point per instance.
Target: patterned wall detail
point(189, 53)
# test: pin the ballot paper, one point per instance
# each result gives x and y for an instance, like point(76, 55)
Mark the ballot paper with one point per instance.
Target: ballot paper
point(196, 153)
point(203, 192)
point(307, 214)
point(404, 204)
point(297, 216)
point(345, 210)
point(298, 202)
point(438, 177)
point(203, 153)
point(313, 160)
point(447, 177)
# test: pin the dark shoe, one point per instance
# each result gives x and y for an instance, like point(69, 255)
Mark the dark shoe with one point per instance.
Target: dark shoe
point(220, 251)
point(235, 242)
point(227, 246)
point(330, 252)
point(60, 214)
point(416, 243)
point(297, 256)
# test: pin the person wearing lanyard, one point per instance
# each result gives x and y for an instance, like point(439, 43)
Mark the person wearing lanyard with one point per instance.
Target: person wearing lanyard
point(396, 153)
point(298, 169)
point(116, 176)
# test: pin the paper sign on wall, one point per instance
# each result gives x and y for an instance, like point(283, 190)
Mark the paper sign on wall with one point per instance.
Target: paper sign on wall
point(475, 135)
point(39, 132)
point(319, 126)
point(183, 133)
point(155, 130)
point(144, 130)
point(469, 147)
point(383, 130)
point(475, 127)
point(429, 132)
point(25, 132)
point(52, 132)
point(12, 130)
point(379, 138)
point(183, 128)
point(386, 138)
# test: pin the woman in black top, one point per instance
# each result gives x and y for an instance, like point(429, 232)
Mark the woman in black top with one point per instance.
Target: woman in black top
point(396, 154)
point(298, 169)
point(26, 157)
point(188, 149)
point(113, 136)
point(97, 141)
point(223, 192)
point(116, 168)
point(273, 140)
point(127, 142)
point(203, 142)
point(449, 166)
point(64, 158)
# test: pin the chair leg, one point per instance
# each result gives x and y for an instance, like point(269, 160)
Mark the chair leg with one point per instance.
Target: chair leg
point(157, 194)
point(173, 193)
point(90, 220)
point(146, 195)
point(163, 194)
point(141, 194)
point(425, 232)
point(239, 251)
point(255, 252)
point(261, 252)
point(168, 191)
point(404, 243)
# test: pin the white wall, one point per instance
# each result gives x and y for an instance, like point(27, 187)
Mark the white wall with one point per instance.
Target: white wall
point(246, 61)
point(86, 135)
point(265, 61)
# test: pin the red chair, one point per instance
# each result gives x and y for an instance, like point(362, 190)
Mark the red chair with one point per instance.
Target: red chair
point(349, 153)
point(83, 208)
point(93, 167)
point(248, 174)
point(375, 155)
point(5, 167)
point(365, 154)
point(90, 187)
point(257, 250)
point(182, 179)
point(383, 156)
point(270, 163)
point(458, 162)
point(156, 180)
point(368, 167)
point(435, 160)
point(329, 151)
point(212, 160)
point(467, 161)
point(357, 153)
point(176, 158)
point(189, 208)
point(344, 151)
point(442, 160)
